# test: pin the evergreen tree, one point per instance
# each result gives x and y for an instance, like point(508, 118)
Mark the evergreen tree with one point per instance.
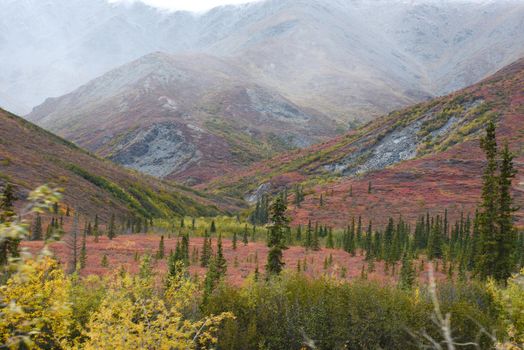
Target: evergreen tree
point(245, 235)
point(309, 235)
point(351, 238)
point(407, 273)
point(359, 232)
point(486, 260)
point(161, 249)
point(368, 245)
point(111, 228)
point(37, 229)
point(496, 241)
point(213, 228)
point(505, 236)
point(315, 242)
point(369, 187)
point(389, 255)
point(211, 279)
point(96, 230)
point(321, 201)
point(83, 251)
point(104, 262)
point(9, 246)
point(72, 242)
point(184, 249)
point(68, 214)
point(329, 241)
point(276, 236)
point(221, 263)
point(235, 240)
point(298, 235)
point(434, 250)
point(207, 250)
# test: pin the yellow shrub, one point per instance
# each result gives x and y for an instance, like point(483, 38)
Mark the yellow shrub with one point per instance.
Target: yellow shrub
point(35, 305)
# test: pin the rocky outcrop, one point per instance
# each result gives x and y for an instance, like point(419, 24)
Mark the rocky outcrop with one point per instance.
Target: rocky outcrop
point(158, 150)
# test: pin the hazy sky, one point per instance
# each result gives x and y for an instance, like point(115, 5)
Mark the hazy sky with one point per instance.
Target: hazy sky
point(189, 5)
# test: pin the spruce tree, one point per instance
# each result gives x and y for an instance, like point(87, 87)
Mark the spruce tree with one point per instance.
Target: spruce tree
point(213, 228)
point(496, 241)
point(221, 263)
point(434, 250)
point(207, 251)
point(37, 229)
point(96, 229)
point(407, 273)
point(104, 262)
point(276, 236)
point(211, 279)
point(329, 241)
point(368, 245)
point(184, 249)
point(309, 235)
point(245, 235)
point(351, 238)
point(161, 249)
point(298, 235)
point(359, 232)
point(111, 228)
point(234, 240)
point(72, 242)
point(83, 251)
point(315, 242)
point(486, 260)
point(505, 236)
point(9, 247)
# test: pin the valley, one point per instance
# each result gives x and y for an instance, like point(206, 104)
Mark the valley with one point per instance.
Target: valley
point(269, 175)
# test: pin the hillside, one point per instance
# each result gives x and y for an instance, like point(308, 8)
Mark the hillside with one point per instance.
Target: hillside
point(31, 156)
point(349, 59)
point(425, 157)
point(184, 117)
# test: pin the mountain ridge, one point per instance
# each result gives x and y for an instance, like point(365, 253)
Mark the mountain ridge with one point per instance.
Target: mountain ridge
point(426, 154)
point(31, 156)
point(181, 116)
point(351, 60)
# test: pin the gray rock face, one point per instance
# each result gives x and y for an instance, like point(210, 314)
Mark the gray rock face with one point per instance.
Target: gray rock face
point(396, 146)
point(258, 193)
point(158, 150)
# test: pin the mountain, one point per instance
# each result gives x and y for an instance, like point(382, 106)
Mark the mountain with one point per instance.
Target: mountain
point(351, 60)
point(185, 117)
point(31, 156)
point(422, 158)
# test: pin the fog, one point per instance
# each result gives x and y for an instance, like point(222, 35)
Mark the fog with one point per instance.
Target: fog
point(48, 48)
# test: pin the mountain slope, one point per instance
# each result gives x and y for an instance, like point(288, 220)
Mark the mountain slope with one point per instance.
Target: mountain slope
point(425, 157)
point(183, 117)
point(349, 59)
point(31, 156)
